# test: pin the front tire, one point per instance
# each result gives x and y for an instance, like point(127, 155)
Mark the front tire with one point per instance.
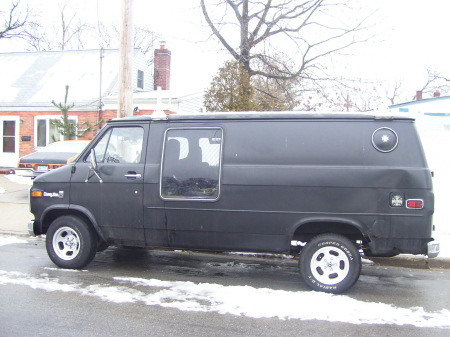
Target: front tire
point(70, 242)
point(330, 263)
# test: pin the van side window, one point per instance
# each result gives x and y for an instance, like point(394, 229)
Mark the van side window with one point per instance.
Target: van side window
point(120, 145)
point(191, 163)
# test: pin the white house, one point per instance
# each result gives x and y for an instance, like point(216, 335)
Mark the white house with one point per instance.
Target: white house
point(430, 113)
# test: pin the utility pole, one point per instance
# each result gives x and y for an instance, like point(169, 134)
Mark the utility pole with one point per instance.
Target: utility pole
point(126, 60)
point(100, 103)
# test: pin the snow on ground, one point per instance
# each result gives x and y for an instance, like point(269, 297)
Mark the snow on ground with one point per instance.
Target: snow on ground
point(237, 300)
point(19, 179)
point(9, 240)
point(16, 179)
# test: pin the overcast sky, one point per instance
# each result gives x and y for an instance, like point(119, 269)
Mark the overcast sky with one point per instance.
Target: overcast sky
point(411, 37)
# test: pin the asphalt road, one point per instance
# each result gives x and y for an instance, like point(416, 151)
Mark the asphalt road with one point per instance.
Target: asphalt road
point(37, 299)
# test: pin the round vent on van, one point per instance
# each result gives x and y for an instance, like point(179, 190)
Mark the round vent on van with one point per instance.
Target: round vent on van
point(384, 139)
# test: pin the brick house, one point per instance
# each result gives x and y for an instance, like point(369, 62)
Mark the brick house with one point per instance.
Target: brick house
point(32, 80)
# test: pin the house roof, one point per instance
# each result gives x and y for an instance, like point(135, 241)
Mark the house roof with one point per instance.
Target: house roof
point(422, 101)
point(33, 79)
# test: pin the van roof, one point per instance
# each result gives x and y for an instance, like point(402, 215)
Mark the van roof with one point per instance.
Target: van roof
point(260, 116)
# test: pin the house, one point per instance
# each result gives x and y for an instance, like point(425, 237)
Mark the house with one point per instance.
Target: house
point(432, 113)
point(32, 80)
point(436, 106)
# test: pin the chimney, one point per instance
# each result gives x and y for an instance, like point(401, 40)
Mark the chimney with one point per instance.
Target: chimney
point(418, 95)
point(161, 76)
point(437, 93)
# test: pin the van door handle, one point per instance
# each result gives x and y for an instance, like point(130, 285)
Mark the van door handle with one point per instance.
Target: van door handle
point(133, 175)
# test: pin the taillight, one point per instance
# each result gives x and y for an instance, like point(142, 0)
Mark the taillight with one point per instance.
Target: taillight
point(397, 199)
point(414, 203)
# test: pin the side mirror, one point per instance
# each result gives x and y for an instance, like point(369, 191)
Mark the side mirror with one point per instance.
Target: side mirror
point(92, 160)
point(93, 167)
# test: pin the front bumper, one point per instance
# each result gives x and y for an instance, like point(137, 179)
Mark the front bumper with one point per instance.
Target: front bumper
point(433, 249)
point(31, 228)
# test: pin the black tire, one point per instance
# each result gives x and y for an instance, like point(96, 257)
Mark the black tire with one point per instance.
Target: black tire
point(70, 242)
point(330, 263)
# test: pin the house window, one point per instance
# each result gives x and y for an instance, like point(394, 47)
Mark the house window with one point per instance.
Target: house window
point(140, 79)
point(191, 164)
point(9, 140)
point(46, 132)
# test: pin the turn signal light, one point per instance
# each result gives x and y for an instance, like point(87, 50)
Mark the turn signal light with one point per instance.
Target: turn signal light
point(414, 203)
point(36, 193)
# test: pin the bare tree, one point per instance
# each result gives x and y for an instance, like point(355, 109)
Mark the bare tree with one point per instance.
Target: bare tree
point(38, 39)
point(13, 23)
point(71, 30)
point(435, 83)
point(251, 31)
point(69, 33)
point(277, 94)
point(394, 93)
point(144, 38)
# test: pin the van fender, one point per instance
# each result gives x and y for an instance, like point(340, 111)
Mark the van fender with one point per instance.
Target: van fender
point(326, 220)
point(78, 209)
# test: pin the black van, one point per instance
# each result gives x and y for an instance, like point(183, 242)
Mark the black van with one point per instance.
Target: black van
point(324, 186)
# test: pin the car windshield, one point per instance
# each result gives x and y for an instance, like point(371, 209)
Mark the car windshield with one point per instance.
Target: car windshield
point(75, 147)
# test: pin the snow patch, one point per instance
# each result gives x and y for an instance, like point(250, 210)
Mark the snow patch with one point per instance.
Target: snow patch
point(65, 270)
point(239, 300)
point(9, 240)
point(19, 179)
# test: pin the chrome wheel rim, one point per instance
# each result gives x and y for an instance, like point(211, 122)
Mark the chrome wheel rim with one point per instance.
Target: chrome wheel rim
point(66, 243)
point(330, 265)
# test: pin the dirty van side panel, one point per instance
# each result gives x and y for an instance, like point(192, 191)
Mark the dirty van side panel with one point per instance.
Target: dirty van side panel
point(255, 210)
point(311, 170)
point(277, 175)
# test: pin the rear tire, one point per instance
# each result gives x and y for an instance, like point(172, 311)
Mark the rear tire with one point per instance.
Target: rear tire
point(70, 242)
point(330, 263)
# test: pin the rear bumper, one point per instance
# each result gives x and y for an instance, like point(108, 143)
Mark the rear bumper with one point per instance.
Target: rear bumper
point(433, 249)
point(28, 172)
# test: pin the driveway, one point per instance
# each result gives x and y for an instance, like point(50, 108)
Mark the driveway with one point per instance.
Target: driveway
point(14, 208)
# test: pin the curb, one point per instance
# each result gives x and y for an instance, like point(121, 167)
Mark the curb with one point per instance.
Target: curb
point(411, 261)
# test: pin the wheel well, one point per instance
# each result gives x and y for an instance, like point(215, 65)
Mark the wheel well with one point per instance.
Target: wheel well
point(52, 215)
point(307, 231)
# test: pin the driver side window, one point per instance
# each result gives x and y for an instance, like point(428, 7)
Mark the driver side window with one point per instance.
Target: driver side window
point(120, 145)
